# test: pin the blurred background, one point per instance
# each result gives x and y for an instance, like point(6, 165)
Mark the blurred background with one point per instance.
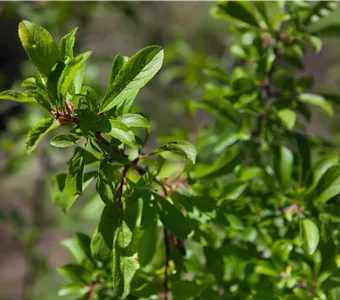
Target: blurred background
point(31, 226)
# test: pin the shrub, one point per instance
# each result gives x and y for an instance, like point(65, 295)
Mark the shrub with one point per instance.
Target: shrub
point(255, 218)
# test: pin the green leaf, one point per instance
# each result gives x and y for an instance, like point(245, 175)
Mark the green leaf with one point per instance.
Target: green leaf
point(304, 156)
point(224, 164)
point(134, 120)
point(149, 213)
point(29, 83)
point(147, 245)
point(317, 100)
point(124, 236)
point(332, 30)
point(267, 269)
point(234, 190)
point(124, 270)
point(124, 267)
point(66, 44)
point(214, 262)
point(78, 247)
point(102, 240)
point(185, 289)
point(38, 131)
point(78, 81)
point(41, 98)
point(321, 167)
point(329, 185)
point(221, 108)
point(122, 133)
point(91, 98)
point(136, 73)
point(17, 96)
point(62, 199)
point(235, 222)
point(310, 235)
point(106, 183)
point(281, 250)
point(171, 218)
point(76, 273)
point(73, 288)
point(68, 75)
point(288, 117)
point(65, 140)
point(261, 8)
point(235, 10)
point(316, 43)
point(286, 165)
point(182, 147)
point(117, 65)
point(39, 46)
point(75, 175)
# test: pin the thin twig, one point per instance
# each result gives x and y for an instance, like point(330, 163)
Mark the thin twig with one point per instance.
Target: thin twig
point(167, 255)
point(119, 192)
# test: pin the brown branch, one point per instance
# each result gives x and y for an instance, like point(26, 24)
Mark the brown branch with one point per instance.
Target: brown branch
point(119, 192)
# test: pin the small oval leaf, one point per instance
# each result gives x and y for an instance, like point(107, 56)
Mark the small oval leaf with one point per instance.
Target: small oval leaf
point(310, 235)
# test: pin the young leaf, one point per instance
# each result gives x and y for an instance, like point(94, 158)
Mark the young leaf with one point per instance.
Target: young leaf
point(17, 96)
point(39, 46)
point(65, 140)
point(134, 120)
point(38, 132)
point(75, 175)
point(136, 73)
point(182, 147)
point(310, 235)
point(117, 65)
point(122, 133)
point(171, 218)
point(68, 74)
point(29, 83)
point(78, 81)
point(91, 98)
point(235, 10)
point(66, 44)
point(317, 100)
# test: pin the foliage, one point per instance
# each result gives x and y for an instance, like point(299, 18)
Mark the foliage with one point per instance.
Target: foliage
point(255, 218)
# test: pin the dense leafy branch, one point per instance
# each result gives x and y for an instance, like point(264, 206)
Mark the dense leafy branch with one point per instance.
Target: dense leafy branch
point(254, 218)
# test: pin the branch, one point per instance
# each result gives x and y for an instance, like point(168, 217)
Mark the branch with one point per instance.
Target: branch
point(167, 255)
point(119, 192)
